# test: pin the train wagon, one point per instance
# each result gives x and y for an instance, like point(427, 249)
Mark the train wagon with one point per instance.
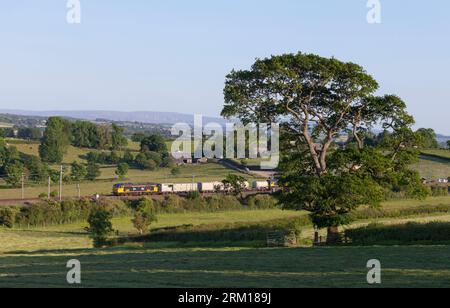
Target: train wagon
point(260, 185)
point(211, 187)
point(177, 188)
point(134, 189)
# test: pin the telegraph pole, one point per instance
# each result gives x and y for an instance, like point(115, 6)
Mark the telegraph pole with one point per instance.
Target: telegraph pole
point(23, 187)
point(79, 191)
point(60, 183)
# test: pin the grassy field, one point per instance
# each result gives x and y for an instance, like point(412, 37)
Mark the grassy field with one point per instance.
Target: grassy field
point(202, 173)
point(73, 236)
point(438, 153)
point(433, 167)
point(37, 257)
point(230, 267)
point(73, 153)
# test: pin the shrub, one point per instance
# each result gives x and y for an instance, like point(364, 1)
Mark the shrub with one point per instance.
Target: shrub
point(175, 171)
point(100, 226)
point(7, 217)
point(172, 204)
point(117, 208)
point(222, 202)
point(262, 202)
point(439, 191)
point(193, 195)
point(122, 170)
point(49, 212)
point(43, 196)
point(373, 213)
point(143, 218)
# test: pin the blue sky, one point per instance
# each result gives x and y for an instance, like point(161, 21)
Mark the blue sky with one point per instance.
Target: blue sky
point(173, 55)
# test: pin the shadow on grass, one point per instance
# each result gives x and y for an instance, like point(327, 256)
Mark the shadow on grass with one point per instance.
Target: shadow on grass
point(233, 233)
point(229, 267)
point(434, 158)
point(433, 233)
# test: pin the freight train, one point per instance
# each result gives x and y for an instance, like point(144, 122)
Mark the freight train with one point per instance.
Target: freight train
point(137, 189)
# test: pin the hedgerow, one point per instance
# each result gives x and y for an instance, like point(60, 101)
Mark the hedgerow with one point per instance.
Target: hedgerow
point(410, 233)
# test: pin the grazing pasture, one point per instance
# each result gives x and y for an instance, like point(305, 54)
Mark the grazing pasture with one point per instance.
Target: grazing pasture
point(38, 256)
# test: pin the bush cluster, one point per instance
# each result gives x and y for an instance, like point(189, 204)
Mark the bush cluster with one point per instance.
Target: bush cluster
point(411, 233)
point(439, 191)
point(195, 202)
point(49, 212)
point(374, 213)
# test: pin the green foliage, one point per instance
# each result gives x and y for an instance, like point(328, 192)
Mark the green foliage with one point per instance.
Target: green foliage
point(37, 171)
point(114, 158)
point(78, 172)
point(7, 217)
point(305, 90)
point(103, 158)
point(43, 196)
point(235, 183)
point(29, 133)
point(408, 234)
point(448, 144)
point(7, 133)
point(14, 172)
point(100, 226)
point(262, 202)
point(144, 215)
point(439, 191)
point(11, 166)
point(138, 137)
point(154, 143)
point(128, 157)
point(56, 140)
point(175, 171)
point(49, 212)
point(118, 139)
point(92, 171)
point(84, 135)
point(193, 195)
point(428, 138)
point(148, 160)
point(122, 170)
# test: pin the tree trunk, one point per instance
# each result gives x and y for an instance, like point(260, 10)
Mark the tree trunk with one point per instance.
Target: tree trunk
point(333, 235)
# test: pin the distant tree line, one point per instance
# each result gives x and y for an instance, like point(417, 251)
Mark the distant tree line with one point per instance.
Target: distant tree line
point(426, 138)
point(60, 133)
point(27, 133)
point(153, 154)
point(14, 165)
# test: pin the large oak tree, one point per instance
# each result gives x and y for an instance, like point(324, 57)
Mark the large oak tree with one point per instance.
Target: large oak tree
point(316, 100)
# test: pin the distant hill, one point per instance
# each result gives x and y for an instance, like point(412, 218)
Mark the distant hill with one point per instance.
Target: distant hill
point(150, 117)
point(443, 139)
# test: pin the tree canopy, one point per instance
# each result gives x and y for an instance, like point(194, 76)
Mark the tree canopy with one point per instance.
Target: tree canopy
point(56, 140)
point(154, 143)
point(315, 100)
point(428, 138)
